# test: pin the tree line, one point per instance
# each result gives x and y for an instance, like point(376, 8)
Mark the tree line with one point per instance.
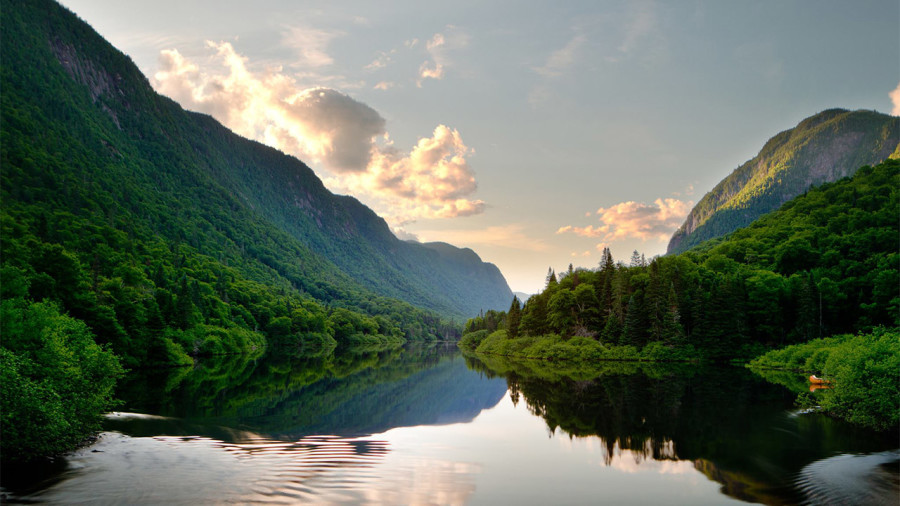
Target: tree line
point(825, 263)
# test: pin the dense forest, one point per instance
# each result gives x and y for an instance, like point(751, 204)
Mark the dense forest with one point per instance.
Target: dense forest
point(136, 234)
point(820, 149)
point(824, 263)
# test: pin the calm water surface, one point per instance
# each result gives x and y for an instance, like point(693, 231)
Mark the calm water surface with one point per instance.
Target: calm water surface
point(429, 426)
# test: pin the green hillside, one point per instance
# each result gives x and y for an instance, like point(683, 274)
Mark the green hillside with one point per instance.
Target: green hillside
point(824, 263)
point(188, 179)
point(136, 234)
point(822, 148)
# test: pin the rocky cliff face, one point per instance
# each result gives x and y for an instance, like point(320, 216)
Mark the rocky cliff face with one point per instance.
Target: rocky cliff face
point(826, 147)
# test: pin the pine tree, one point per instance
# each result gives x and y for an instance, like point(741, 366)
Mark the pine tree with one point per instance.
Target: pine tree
point(551, 277)
point(513, 318)
point(635, 259)
point(635, 331)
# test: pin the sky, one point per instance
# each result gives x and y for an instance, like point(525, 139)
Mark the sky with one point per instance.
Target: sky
point(534, 132)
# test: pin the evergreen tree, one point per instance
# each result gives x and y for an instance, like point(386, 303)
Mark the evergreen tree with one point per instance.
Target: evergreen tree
point(551, 278)
point(635, 259)
point(513, 318)
point(635, 331)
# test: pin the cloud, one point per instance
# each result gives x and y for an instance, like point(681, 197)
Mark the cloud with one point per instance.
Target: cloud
point(344, 127)
point(895, 100)
point(635, 220)
point(562, 59)
point(404, 235)
point(310, 44)
point(511, 236)
point(432, 180)
point(384, 85)
point(439, 48)
point(346, 136)
point(642, 23)
point(382, 60)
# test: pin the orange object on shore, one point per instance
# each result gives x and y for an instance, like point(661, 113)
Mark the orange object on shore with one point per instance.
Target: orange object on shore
point(815, 380)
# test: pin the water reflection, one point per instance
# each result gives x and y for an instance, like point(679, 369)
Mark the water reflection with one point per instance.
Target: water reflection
point(286, 397)
point(199, 470)
point(425, 426)
point(283, 428)
point(730, 425)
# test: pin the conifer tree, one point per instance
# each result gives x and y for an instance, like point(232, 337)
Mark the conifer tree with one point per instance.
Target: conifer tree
point(635, 259)
point(513, 318)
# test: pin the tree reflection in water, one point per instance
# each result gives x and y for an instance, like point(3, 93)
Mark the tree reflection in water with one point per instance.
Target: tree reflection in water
point(733, 426)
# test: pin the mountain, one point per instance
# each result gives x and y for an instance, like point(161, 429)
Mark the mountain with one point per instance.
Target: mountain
point(84, 132)
point(824, 263)
point(823, 148)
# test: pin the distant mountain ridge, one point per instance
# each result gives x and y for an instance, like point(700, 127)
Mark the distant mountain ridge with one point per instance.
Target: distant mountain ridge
point(822, 148)
point(143, 152)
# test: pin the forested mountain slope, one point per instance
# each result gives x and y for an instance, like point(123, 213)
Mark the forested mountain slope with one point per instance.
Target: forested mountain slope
point(824, 263)
point(84, 133)
point(822, 148)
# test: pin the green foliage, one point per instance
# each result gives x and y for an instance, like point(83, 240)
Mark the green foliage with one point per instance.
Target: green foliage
point(171, 237)
point(864, 371)
point(578, 349)
point(816, 151)
point(165, 237)
point(825, 263)
point(471, 340)
point(57, 381)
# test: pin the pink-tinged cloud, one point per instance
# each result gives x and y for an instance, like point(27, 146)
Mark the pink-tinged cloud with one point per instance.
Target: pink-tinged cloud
point(325, 126)
point(432, 180)
point(514, 236)
point(895, 100)
point(439, 48)
point(635, 220)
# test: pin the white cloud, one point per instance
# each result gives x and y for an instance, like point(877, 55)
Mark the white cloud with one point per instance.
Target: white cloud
point(432, 180)
point(382, 60)
point(439, 48)
point(405, 235)
point(310, 44)
point(895, 100)
point(384, 85)
point(635, 220)
point(562, 59)
point(346, 136)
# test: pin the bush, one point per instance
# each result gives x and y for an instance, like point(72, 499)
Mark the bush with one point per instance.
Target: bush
point(57, 382)
point(471, 340)
point(864, 371)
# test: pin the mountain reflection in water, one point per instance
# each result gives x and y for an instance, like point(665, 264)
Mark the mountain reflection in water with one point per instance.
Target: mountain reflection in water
point(427, 426)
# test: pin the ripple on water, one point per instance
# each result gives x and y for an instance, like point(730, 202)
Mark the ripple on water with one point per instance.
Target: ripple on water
point(852, 479)
point(201, 470)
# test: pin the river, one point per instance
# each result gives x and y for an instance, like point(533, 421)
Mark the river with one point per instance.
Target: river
point(426, 425)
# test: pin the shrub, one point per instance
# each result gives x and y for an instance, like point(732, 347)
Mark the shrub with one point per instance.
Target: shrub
point(57, 382)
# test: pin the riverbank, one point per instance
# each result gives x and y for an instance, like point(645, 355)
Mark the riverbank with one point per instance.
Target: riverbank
point(573, 349)
point(863, 372)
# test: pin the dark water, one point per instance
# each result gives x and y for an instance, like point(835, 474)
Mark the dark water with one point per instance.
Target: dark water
point(428, 426)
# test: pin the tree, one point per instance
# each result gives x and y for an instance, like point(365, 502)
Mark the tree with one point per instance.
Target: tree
point(635, 332)
point(587, 310)
point(513, 318)
point(551, 277)
point(561, 311)
point(635, 259)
